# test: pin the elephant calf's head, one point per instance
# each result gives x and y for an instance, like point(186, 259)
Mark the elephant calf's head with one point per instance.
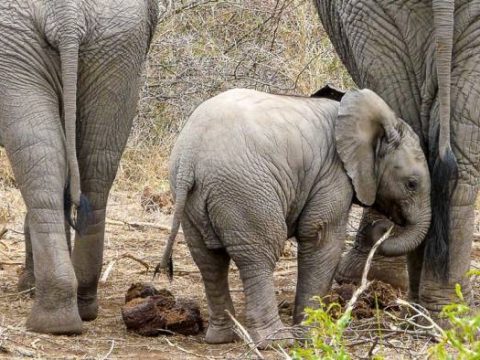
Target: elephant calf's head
point(388, 169)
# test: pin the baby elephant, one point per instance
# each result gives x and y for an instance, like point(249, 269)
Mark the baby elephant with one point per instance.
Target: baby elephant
point(251, 169)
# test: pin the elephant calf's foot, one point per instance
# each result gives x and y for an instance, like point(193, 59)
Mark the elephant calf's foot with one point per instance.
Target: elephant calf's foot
point(88, 308)
point(26, 281)
point(60, 321)
point(275, 334)
point(391, 270)
point(220, 335)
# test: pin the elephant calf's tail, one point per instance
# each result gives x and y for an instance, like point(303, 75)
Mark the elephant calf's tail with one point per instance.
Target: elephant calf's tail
point(181, 198)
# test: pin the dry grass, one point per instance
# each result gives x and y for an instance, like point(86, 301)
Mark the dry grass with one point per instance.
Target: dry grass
point(378, 334)
point(204, 47)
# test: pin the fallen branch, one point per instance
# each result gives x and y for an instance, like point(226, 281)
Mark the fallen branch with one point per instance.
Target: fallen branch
point(130, 256)
point(439, 331)
point(364, 284)
point(140, 225)
point(243, 334)
point(181, 272)
point(107, 272)
point(110, 265)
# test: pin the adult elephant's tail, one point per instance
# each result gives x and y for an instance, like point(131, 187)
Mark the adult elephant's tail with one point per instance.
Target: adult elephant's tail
point(184, 183)
point(69, 49)
point(445, 168)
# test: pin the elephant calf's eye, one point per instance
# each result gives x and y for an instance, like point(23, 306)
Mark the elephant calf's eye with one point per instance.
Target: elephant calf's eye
point(412, 184)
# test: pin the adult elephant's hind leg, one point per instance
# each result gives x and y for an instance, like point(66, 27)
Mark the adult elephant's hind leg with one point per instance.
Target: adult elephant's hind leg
point(34, 142)
point(107, 98)
point(436, 292)
point(213, 266)
point(26, 280)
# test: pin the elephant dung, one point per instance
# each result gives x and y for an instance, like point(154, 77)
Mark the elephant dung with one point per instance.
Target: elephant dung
point(378, 295)
point(151, 312)
point(139, 290)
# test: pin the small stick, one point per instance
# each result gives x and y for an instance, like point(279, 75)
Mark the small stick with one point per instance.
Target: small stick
point(130, 256)
point(187, 351)
point(16, 231)
point(4, 245)
point(421, 313)
point(107, 272)
point(140, 224)
point(109, 351)
point(10, 263)
point(17, 293)
point(4, 253)
point(284, 353)
point(240, 330)
point(110, 265)
point(3, 232)
point(365, 283)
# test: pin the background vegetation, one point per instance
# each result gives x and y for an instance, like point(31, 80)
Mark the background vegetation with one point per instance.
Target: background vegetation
point(203, 47)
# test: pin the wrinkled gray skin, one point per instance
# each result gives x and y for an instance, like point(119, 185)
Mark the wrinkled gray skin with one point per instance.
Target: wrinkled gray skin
point(390, 48)
point(70, 75)
point(250, 170)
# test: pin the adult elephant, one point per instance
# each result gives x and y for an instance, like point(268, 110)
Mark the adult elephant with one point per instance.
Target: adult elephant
point(70, 76)
point(423, 58)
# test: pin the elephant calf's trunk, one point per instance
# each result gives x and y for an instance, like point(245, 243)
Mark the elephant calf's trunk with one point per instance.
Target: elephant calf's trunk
point(405, 238)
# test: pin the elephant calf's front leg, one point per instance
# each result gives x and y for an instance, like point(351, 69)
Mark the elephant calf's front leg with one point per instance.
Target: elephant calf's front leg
point(317, 260)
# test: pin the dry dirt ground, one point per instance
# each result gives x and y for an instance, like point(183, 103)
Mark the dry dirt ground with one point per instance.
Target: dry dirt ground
point(106, 337)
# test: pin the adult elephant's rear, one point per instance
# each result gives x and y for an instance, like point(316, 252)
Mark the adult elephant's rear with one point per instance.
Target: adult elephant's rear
point(397, 48)
point(69, 83)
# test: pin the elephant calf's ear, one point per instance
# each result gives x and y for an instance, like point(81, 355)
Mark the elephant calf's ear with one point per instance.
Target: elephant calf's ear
point(363, 117)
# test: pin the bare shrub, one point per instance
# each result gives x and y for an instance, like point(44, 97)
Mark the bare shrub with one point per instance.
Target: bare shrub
point(204, 47)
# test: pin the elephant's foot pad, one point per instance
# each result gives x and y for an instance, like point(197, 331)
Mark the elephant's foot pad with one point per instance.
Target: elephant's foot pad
point(63, 321)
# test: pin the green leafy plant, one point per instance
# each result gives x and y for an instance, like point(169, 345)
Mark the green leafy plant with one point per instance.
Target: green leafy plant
point(461, 341)
point(326, 327)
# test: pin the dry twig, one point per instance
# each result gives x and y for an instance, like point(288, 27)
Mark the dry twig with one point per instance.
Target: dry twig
point(109, 351)
point(242, 333)
point(364, 284)
point(187, 351)
point(17, 293)
point(140, 224)
point(110, 265)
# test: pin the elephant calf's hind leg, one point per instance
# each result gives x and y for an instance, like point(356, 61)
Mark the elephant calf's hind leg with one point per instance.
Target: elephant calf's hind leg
point(256, 264)
point(213, 265)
